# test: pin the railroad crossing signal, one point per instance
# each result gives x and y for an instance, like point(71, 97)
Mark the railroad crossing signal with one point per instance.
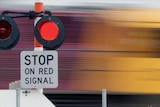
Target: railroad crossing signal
point(48, 30)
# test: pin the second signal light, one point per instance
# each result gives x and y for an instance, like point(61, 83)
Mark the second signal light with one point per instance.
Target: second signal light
point(49, 31)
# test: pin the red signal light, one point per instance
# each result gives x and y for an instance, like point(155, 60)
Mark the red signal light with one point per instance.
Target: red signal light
point(9, 32)
point(49, 31)
point(5, 29)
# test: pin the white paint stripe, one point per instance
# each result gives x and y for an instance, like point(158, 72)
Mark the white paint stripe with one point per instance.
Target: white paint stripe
point(38, 48)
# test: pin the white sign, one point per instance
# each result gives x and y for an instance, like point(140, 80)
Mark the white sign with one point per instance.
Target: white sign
point(39, 69)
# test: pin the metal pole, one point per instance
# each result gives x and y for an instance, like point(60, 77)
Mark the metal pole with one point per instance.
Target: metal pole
point(37, 46)
point(104, 98)
point(38, 8)
point(17, 97)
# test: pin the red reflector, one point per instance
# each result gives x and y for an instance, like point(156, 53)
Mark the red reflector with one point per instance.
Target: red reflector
point(5, 29)
point(48, 30)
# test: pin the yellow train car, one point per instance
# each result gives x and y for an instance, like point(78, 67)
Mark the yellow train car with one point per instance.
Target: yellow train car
point(122, 51)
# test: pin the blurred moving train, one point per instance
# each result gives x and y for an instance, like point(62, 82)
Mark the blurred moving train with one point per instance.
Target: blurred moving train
point(113, 48)
point(123, 51)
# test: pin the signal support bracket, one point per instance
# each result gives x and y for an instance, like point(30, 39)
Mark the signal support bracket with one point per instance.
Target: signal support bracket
point(30, 14)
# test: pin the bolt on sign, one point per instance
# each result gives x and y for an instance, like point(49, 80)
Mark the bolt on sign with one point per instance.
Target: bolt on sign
point(39, 69)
